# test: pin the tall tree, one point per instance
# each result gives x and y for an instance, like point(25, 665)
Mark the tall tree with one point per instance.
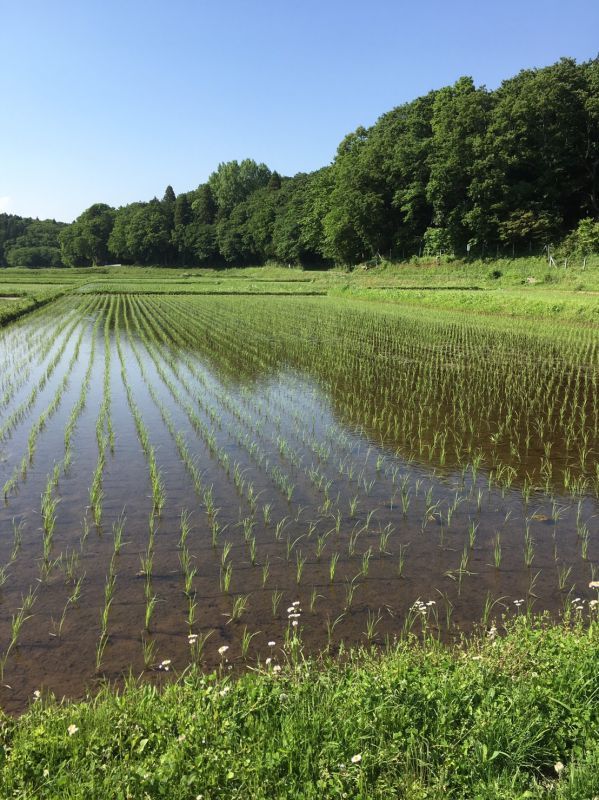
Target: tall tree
point(233, 182)
point(85, 241)
point(459, 120)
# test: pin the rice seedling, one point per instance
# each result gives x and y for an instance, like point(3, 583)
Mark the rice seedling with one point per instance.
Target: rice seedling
point(366, 562)
point(197, 644)
point(372, 623)
point(117, 533)
point(246, 640)
point(149, 611)
point(192, 607)
point(333, 566)
point(17, 532)
point(350, 590)
point(529, 548)
point(265, 570)
point(185, 527)
point(240, 605)
point(226, 573)
point(300, 562)
point(331, 625)
point(401, 560)
point(275, 599)
point(563, 574)
point(149, 651)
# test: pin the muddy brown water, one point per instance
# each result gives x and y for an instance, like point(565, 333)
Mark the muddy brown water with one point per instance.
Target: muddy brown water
point(346, 504)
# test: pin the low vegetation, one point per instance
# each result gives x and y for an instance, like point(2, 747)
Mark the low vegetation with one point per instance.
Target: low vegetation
point(500, 717)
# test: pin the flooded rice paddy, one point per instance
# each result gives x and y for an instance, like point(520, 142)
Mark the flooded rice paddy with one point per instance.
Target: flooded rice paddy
point(226, 480)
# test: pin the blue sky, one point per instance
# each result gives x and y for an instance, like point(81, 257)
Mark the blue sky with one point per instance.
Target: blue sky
point(111, 101)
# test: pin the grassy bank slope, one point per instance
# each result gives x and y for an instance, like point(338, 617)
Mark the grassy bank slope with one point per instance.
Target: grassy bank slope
point(496, 718)
point(525, 287)
point(540, 304)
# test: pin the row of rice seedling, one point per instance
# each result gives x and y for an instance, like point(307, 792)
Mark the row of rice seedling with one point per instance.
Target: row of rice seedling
point(104, 429)
point(28, 333)
point(20, 470)
point(20, 363)
point(50, 498)
point(49, 503)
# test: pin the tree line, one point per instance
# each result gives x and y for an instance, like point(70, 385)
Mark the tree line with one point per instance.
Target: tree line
point(30, 242)
point(459, 170)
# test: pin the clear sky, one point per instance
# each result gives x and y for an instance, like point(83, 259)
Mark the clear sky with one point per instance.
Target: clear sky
point(111, 101)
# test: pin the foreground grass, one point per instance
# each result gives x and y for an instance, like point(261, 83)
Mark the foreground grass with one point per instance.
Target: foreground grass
point(491, 719)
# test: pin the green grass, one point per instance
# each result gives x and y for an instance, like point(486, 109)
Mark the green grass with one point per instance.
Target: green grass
point(542, 303)
point(526, 287)
point(13, 305)
point(489, 719)
point(11, 309)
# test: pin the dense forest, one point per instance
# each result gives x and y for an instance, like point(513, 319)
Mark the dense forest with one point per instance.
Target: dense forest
point(462, 169)
point(29, 242)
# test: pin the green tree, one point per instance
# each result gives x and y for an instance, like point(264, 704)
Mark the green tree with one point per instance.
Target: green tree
point(232, 182)
point(204, 205)
point(292, 241)
point(85, 241)
point(459, 120)
point(182, 215)
point(408, 139)
point(528, 227)
point(141, 234)
point(274, 182)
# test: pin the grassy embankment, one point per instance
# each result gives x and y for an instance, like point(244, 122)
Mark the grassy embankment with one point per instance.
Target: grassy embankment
point(513, 716)
point(24, 290)
point(525, 287)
